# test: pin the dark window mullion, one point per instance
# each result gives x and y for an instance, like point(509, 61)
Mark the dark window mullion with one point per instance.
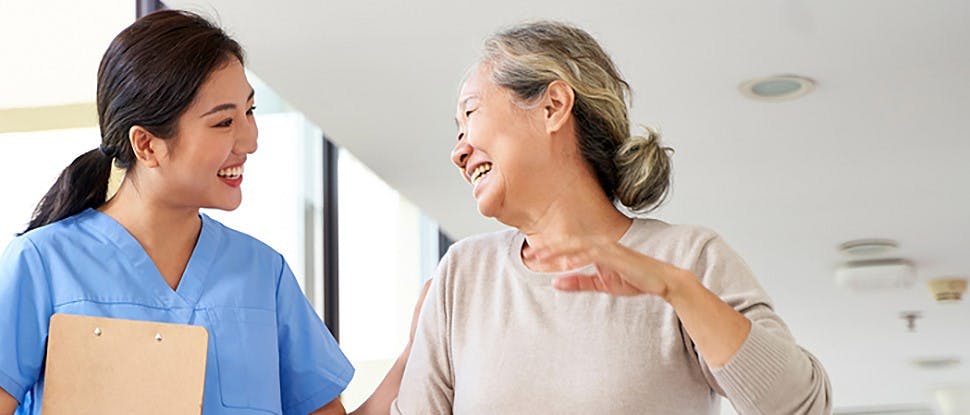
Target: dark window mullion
point(143, 7)
point(331, 252)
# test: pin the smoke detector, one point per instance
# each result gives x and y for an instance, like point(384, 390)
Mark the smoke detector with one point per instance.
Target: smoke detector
point(947, 290)
point(876, 275)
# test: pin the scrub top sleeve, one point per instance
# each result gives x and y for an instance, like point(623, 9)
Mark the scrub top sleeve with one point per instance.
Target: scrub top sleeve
point(313, 370)
point(25, 311)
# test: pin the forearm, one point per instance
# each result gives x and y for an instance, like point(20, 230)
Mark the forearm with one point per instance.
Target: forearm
point(380, 401)
point(768, 357)
point(335, 407)
point(7, 403)
point(717, 329)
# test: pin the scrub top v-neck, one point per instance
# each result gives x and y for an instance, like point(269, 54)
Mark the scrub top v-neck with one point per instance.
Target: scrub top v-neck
point(268, 350)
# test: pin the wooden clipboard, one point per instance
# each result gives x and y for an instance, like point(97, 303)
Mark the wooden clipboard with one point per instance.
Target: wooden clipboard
point(110, 366)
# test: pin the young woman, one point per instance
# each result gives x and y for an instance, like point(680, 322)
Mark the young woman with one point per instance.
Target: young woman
point(176, 112)
point(581, 309)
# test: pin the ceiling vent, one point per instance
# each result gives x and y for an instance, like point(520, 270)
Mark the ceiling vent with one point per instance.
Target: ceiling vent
point(861, 248)
point(876, 275)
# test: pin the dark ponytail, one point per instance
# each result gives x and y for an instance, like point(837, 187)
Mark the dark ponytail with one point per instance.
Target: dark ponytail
point(148, 77)
point(81, 185)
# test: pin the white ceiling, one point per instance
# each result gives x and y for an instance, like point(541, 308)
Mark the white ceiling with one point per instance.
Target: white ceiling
point(46, 55)
point(878, 150)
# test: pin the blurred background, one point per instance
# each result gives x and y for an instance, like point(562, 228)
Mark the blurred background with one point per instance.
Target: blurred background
point(825, 140)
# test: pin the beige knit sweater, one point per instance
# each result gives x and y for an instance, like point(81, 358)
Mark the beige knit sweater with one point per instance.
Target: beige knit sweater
point(495, 338)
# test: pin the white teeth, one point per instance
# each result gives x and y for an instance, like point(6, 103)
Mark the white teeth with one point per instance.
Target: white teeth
point(480, 172)
point(231, 173)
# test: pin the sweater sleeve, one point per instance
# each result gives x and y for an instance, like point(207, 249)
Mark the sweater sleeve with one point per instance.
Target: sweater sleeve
point(770, 374)
point(428, 383)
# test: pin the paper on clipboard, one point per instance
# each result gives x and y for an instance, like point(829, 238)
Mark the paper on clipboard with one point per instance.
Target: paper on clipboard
point(109, 366)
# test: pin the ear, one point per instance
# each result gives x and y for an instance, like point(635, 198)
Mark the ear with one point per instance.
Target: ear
point(558, 103)
point(144, 144)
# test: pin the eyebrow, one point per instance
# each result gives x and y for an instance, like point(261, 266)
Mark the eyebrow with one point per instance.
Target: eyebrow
point(461, 104)
point(228, 106)
point(464, 101)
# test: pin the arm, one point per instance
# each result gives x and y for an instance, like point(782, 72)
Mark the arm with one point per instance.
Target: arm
point(745, 350)
point(7, 403)
point(380, 401)
point(313, 369)
point(427, 386)
point(335, 407)
point(716, 328)
point(25, 311)
point(769, 372)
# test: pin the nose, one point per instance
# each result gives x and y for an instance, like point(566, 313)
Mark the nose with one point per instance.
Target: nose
point(246, 138)
point(459, 154)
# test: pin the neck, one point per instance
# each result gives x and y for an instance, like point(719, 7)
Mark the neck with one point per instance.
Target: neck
point(578, 210)
point(167, 233)
point(151, 219)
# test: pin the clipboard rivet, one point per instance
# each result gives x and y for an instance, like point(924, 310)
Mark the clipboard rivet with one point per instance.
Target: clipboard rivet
point(158, 337)
point(97, 331)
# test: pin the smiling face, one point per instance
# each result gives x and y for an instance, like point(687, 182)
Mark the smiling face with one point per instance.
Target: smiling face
point(202, 166)
point(502, 148)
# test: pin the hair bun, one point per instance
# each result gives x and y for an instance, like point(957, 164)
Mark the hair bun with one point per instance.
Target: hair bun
point(643, 169)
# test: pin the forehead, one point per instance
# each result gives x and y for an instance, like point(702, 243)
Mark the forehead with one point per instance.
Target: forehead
point(226, 83)
point(476, 84)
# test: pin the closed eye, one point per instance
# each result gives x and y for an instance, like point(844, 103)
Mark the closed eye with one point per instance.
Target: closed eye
point(251, 110)
point(224, 123)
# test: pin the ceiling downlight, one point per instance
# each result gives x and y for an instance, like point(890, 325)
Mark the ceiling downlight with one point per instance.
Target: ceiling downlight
point(777, 88)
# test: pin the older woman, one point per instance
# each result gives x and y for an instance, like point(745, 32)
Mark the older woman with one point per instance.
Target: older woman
point(581, 309)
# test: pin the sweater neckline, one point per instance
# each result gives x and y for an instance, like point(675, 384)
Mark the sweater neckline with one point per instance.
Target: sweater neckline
point(545, 278)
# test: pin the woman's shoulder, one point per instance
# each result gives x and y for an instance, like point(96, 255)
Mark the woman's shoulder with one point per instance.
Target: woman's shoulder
point(655, 228)
point(69, 229)
point(237, 240)
point(681, 244)
point(484, 244)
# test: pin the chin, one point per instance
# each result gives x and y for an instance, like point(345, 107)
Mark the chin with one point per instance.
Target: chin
point(226, 205)
point(489, 208)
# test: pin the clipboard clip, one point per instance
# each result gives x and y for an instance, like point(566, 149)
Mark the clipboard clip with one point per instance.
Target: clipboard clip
point(98, 332)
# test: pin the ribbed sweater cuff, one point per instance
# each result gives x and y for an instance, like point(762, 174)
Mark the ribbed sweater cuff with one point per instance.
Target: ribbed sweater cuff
point(756, 368)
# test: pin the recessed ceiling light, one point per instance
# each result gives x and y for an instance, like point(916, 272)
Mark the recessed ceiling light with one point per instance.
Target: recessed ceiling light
point(777, 88)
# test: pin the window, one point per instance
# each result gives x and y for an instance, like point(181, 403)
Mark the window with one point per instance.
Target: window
point(31, 162)
point(388, 248)
point(282, 187)
point(47, 113)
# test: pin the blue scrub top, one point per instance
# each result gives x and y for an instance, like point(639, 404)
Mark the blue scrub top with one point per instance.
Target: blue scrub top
point(268, 350)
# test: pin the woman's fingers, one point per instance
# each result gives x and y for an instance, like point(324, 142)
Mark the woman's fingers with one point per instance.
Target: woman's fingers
point(620, 270)
point(578, 283)
point(609, 283)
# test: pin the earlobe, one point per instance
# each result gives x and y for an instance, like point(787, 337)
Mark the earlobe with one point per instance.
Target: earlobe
point(559, 105)
point(143, 144)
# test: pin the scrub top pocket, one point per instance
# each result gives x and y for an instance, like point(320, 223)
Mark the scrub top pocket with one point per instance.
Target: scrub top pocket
point(247, 358)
